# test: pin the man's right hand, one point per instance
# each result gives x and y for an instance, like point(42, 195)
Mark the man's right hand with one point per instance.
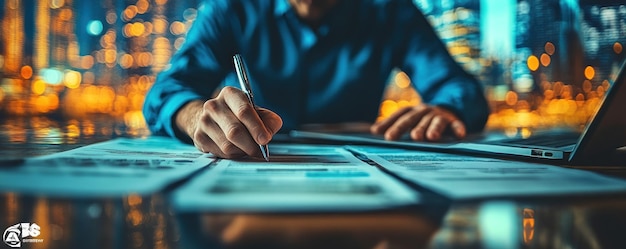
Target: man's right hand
point(228, 126)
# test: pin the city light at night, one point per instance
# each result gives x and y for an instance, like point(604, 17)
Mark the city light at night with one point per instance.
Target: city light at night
point(79, 58)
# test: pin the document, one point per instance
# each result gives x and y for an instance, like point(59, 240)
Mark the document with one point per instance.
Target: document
point(461, 177)
point(297, 178)
point(117, 167)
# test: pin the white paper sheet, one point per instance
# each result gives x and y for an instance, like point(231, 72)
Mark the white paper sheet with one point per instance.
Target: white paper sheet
point(461, 177)
point(297, 178)
point(113, 168)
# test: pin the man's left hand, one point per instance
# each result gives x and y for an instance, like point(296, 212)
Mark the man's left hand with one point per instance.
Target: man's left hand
point(424, 122)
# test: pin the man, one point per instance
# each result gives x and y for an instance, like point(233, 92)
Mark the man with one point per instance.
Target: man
point(309, 61)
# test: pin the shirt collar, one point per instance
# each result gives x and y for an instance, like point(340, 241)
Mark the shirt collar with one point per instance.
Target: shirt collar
point(281, 7)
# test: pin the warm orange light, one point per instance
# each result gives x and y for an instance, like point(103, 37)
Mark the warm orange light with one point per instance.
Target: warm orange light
point(548, 94)
point(587, 86)
point(606, 84)
point(126, 61)
point(134, 119)
point(580, 98)
point(590, 72)
point(144, 59)
point(66, 14)
point(110, 55)
point(26, 72)
point(137, 29)
point(39, 104)
point(549, 47)
point(142, 6)
point(387, 108)
point(72, 79)
point(402, 80)
point(134, 200)
point(149, 28)
point(53, 102)
point(135, 217)
point(38, 87)
point(601, 90)
point(86, 62)
point(545, 60)
point(72, 130)
point(617, 48)
point(525, 132)
point(528, 224)
point(177, 28)
point(127, 30)
point(510, 98)
point(160, 25)
point(532, 62)
point(89, 128)
point(129, 13)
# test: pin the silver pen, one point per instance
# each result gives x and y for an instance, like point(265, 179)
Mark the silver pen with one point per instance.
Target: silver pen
point(244, 82)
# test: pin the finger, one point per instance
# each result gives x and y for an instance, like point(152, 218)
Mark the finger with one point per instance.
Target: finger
point(418, 133)
point(382, 126)
point(437, 126)
point(458, 128)
point(272, 121)
point(246, 113)
point(228, 131)
point(209, 138)
point(404, 124)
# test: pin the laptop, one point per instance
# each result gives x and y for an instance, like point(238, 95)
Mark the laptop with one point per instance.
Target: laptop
point(599, 139)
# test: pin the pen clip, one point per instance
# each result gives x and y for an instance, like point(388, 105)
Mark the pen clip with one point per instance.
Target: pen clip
point(242, 75)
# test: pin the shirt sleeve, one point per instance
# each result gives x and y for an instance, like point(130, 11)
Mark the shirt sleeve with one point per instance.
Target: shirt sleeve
point(196, 70)
point(437, 77)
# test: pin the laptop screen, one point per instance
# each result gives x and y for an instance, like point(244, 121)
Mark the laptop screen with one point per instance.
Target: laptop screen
point(607, 130)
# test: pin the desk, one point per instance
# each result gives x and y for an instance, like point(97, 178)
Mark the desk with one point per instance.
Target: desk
point(150, 221)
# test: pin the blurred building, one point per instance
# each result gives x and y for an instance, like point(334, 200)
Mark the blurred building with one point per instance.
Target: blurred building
point(542, 62)
point(86, 57)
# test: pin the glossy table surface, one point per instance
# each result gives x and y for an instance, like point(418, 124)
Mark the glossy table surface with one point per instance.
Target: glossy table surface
point(150, 221)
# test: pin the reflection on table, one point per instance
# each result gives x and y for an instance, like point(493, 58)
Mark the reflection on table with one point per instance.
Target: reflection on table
point(148, 222)
point(136, 221)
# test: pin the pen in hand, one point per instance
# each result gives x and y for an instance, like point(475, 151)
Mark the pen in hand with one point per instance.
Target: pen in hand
point(244, 83)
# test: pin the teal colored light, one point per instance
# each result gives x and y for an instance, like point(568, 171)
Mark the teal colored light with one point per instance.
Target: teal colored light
point(52, 76)
point(498, 27)
point(94, 27)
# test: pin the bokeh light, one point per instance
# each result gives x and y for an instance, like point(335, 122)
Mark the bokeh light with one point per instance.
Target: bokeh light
point(104, 64)
point(38, 86)
point(94, 27)
point(590, 72)
point(617, 48)
point(533, 63)
point(26, 72)
point(549, 48)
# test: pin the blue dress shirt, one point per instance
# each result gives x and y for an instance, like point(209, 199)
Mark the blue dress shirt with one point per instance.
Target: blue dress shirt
point(334, 73)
